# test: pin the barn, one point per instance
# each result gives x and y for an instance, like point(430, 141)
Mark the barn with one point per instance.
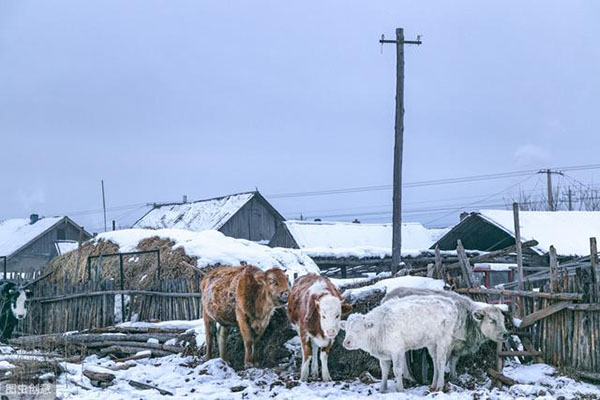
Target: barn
point(345, 244)
point(488, 230)
point(243, 216)
point(27, 244)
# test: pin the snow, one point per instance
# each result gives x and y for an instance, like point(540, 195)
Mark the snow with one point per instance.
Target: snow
point(568, 231)
point(214, 380)
point(195, 326)
point(496, 267)
point(343, 239)
point(16, 233)
point(4, 365)
point(212, 247)
point(195, 216)
point(417, 282)
point(65, 246)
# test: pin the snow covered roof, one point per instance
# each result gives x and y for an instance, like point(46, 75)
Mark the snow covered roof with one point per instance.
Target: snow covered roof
point(568, 231)
point(212, 247)
point(17, 233)
point(65, 246)
point(343, 239)
point(195, 216)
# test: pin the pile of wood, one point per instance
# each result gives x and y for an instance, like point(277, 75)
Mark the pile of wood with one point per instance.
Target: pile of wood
point(118, 342)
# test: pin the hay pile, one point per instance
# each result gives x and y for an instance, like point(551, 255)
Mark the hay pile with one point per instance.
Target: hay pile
point(140, 271)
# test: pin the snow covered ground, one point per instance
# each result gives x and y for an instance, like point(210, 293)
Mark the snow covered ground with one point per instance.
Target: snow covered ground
point(212, 380)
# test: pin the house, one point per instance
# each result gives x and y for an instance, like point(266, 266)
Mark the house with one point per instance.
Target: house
point(328, 237)
point(242, 216)
point(344, 244)
point(487, 230)
point(29, 243)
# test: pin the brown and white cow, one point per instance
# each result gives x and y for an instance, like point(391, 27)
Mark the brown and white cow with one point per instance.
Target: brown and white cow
point(315, 309)
point(244, 296)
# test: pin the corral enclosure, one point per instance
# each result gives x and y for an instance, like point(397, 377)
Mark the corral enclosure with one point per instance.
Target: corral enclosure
point(558, 310)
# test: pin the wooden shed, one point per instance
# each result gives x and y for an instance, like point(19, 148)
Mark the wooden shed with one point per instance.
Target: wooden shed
point(242, 215)
point(29, 243)
point(489, 230)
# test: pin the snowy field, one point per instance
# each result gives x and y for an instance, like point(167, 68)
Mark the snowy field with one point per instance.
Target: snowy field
point(185, 378)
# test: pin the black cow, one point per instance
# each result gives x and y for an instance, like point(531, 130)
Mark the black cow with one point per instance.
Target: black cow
point(13, 307)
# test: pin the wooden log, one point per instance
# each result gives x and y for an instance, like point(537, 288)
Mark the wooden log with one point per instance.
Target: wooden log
point(142, 345)
point(504, 292)
point(145, 386)
point(99, 379)
point(532, 318)
point(502, 378)
point(494, 254)
point(132, 350)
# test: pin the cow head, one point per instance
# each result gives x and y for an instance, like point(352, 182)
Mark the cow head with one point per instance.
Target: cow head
point(330, 310)
point(277, 285)
point(491, 323)
point(17, 297)
point(357, 329)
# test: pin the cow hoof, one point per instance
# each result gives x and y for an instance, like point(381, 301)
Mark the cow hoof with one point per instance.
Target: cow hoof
point(326, 379)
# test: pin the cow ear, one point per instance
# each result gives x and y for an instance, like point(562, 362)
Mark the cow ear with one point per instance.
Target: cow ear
point(28, 293)
point(346, 309)
point(478, 316)
point(12, 292)
point(343, 325)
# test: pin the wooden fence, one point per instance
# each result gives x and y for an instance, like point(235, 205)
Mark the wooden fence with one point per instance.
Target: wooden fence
point(68, 307)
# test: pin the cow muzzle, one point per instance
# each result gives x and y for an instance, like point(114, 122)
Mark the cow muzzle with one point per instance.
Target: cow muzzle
point(284, 297)
point(331, 333)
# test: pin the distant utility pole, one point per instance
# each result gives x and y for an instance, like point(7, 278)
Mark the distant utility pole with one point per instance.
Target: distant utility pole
point(103, 203)
point(398, 145)
point(570, 199)
point(550, 196)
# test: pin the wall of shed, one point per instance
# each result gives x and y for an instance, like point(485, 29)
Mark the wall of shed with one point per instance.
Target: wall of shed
point(283, 238)
point(253, 222)
point(35, 256)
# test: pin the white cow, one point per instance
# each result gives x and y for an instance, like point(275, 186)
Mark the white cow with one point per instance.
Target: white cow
point(387, 332)
point(477, 323)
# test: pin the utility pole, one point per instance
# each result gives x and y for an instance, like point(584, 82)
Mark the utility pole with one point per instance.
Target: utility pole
point(103, 203)
point(398, 146)
point(550, 195)
point(570, 199)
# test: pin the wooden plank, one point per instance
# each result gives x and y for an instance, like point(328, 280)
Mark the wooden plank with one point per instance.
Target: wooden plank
point(508, 293)
point(532, 318)
point(525, 353)
point(113, 292)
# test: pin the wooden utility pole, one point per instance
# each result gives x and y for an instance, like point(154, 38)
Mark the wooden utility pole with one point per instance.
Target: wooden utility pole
point(550, 195)
point(519, 256)
point(103, 204)
point(398, 146)
point(570, 199)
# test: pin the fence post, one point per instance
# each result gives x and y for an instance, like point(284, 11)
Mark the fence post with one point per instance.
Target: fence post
point(593, 265)
point(463, 261)
point(122, 288)
point(553, 270)
point(158, 263)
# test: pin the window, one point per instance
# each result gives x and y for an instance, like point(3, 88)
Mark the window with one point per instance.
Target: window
point(60, 234)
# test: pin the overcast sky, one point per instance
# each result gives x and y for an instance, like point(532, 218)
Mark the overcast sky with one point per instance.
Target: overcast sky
point(205, 98)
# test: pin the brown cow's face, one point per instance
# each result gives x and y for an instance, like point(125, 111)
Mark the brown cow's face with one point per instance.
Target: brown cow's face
point(278, 285)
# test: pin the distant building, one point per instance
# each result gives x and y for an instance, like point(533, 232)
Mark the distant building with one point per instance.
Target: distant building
point(28, 244)
point(243, 215)
point(487, 230)
point(329, 237)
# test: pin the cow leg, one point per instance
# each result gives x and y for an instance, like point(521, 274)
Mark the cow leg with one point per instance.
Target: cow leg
point(399, 361)
point(453, 361)
point(222, 341)
point(385, 371)
point(306, 356)
point(314, 362)
point(324, 363)
point(407, 371)
point(208, 335)
point(433, 351)
point(247, 337)
point(442, 358)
